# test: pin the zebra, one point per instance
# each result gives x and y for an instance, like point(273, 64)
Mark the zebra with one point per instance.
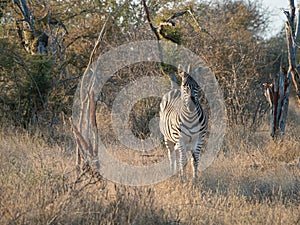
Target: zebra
point(183, 122)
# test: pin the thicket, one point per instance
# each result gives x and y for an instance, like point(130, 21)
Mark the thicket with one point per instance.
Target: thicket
point(37, 89)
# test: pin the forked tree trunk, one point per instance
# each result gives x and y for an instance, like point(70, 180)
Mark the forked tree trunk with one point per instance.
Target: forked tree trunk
point(85, 127)
point(277, 93)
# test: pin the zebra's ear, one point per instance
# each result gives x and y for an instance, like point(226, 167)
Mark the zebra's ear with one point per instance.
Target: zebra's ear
point(182, 72)
point(180, 69)
point(188, 69)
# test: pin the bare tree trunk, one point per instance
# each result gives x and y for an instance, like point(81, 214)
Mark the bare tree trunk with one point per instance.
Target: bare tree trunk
point(293, 44)
point(278, 92)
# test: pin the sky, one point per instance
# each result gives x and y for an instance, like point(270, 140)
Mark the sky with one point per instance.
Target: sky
point(277, 17)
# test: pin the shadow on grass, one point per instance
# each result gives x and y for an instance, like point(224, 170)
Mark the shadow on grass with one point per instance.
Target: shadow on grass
point(115, 204)
point(256, 189)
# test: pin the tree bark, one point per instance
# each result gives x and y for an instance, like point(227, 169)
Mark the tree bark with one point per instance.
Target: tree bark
point(278, 92)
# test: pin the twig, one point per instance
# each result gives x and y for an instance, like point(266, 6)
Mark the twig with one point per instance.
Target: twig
point(155, 31)
point(198, 25)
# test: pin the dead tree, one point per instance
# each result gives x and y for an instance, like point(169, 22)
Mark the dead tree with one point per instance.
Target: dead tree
point(85, 128)
point(277, 93)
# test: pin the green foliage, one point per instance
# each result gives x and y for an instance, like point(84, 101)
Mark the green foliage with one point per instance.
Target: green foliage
point(37, 83)
point(25, 83)
point(172, 33)
point(3, 5)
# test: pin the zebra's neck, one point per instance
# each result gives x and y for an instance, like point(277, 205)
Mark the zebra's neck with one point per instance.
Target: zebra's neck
point(190, 103)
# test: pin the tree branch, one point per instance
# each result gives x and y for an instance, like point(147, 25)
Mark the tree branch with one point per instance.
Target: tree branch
point(153, 28)
point(292, 16)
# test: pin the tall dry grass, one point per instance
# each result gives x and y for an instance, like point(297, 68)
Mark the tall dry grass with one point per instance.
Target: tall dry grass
point(253, 181)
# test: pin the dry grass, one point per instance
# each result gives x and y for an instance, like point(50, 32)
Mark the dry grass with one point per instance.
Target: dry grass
point(253, 181)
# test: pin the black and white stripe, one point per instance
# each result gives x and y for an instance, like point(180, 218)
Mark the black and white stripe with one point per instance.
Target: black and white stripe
point(183, 122)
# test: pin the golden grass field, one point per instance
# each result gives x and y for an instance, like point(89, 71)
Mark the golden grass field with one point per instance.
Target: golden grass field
point(253, 181)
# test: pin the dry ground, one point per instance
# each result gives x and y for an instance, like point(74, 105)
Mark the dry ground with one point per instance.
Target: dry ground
point(253, 181)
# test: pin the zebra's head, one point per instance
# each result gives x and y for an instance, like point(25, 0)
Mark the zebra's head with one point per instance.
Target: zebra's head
point(189, 89)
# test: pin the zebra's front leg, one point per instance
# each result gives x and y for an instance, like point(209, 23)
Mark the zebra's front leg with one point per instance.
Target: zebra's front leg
point(195, 159)
point(180, 147)
point(172, 156)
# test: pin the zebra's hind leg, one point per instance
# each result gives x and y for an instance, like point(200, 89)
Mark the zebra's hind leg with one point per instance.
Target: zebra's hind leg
point(180, 147)
point(195, 159)
point(172, 156)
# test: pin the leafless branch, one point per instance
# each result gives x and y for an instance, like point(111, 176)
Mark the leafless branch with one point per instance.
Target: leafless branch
point(98, 42)
point(153, 28)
